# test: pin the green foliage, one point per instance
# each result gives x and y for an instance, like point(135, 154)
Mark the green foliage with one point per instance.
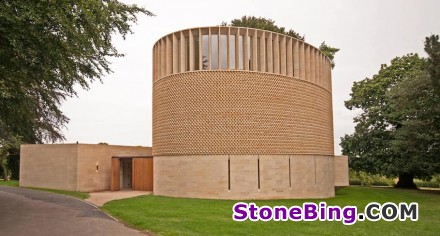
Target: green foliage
point(329, 52)
point(436, 179)
point(269, 24)
point(426, 184)
point(363, 178)
point(9, 157)
point(13, 164)
point(46, 49)
point(180, 216)
point(432, 48)
point(415, 104)
point(397, 132)
point(368, 147)
point(264, 24)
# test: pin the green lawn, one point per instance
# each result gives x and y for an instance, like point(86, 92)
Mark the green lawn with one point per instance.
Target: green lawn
point(179, 216)
point(10, 183)
point(80, 195)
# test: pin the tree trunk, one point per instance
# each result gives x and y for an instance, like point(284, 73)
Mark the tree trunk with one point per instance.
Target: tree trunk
point(5, 171)
point(406, 181)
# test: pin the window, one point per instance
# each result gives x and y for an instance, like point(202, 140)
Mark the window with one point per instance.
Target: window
point(205, 52)
point(267, 54)
point(240, 52)
point(223, 51)
point(280, 58)
point(214, 52)
point(196, 52)
point(187, 53)
point(258, 54)
point(232, 52)
point(178, 55)
point(250, 55)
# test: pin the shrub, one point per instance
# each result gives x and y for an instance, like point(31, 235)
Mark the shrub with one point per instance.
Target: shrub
point(426, 184)
point(364, 178)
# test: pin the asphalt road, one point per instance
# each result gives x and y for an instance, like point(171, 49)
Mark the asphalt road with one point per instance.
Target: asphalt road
point(30, 212)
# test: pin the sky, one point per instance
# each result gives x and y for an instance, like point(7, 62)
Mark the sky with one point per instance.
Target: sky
point(369, 33)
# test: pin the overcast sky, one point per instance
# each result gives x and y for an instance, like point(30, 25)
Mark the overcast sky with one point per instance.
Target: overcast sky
point(369, 33)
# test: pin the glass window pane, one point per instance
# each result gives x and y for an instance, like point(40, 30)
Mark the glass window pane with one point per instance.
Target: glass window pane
point(258, 54)
point(267, 54)
point(240, 52)
point(273, 54)
point(249, 51)
point(205, 52)
point(187, 52)
point(214, 52)
point(223, 51)
point(232, 52)
point(178, 55)
point(279, 55)
point(196, 52)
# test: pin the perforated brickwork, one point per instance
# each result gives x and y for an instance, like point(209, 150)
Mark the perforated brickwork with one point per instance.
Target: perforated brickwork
point(240, 112)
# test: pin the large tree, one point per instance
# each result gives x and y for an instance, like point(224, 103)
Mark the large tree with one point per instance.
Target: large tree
point(397, 132)
point(269, 24)
point(47, 48)
point(432, 48)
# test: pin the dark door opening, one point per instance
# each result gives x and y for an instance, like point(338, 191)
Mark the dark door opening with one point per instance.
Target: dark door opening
point(126, 165)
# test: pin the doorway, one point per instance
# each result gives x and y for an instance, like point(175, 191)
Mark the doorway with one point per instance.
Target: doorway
point(132, 173)
point(125, 173)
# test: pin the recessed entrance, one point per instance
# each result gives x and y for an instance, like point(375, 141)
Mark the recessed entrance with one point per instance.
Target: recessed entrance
point(132, 173)
point(125, 173)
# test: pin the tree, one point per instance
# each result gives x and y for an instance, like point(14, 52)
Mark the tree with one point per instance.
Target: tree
point(264, 24)
point(414, 102)
point(329, 52)
point(432, 48)
point(8, 152)
point(47, 48)
point(397, 132)
point(269, 24)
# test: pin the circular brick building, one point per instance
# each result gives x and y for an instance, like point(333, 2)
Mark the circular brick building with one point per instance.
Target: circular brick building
point(241, 113)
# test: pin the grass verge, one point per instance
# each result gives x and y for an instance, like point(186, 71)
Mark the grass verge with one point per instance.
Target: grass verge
point(10, 183)
point(80, 195)
point(180, 216)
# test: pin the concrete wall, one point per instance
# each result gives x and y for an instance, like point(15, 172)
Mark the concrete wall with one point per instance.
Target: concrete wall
point(49, 166)
point(341, 171)
point(89, 156)
point(71, 166)
point(310, 176)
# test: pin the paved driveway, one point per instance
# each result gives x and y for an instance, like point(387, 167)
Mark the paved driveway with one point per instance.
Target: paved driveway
point(30, 212)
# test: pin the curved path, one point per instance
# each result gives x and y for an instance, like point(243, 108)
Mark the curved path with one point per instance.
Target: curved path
point(30, 212)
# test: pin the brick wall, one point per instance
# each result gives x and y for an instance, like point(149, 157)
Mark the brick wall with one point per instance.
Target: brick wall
point(239, 112)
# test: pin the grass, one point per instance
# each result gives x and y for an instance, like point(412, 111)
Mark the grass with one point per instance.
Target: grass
point(10, 183)
point(180, 216)
point(80, 195)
